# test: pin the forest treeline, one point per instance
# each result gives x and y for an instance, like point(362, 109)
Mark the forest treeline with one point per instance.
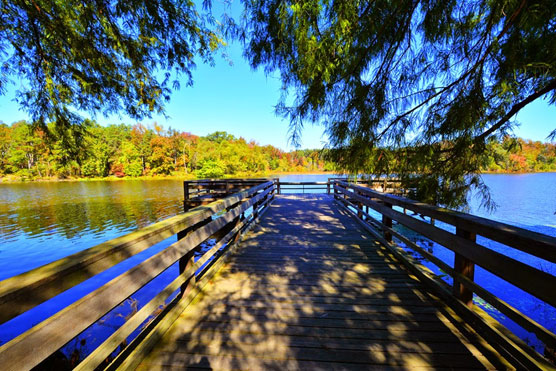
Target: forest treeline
point(138, 150)
point(516, 155)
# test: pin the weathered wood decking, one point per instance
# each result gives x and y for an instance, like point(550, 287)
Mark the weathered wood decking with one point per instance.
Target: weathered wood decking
point(309, 289)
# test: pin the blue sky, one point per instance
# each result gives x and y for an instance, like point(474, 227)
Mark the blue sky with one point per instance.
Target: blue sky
point(236, 99)
point(225, 97)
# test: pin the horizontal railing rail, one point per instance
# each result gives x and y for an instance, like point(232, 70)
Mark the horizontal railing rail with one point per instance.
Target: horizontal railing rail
point(21, 293)
point(468, 253)
point(205, 191)
point(384, 185)
point(302, 186)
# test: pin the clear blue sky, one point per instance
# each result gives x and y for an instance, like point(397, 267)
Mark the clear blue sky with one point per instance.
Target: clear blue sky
point(241, 101)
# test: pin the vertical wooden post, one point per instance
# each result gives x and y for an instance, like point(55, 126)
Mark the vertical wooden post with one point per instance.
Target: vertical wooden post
point(185, 196)
point(359, 208)
point(185, 262)
point(256, 209)
point(228, 188)
point(466, 267)
point(278, 186)
point(328, 186)
point(234, 223)
point(388, 223)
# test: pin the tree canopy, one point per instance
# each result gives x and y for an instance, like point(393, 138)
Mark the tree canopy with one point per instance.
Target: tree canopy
point(108, 56)
point(413, 88)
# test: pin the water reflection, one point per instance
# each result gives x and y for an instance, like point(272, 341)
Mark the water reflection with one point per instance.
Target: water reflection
point(42, 222)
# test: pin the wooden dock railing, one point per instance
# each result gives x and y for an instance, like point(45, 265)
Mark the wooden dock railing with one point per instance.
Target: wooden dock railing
point(302, 187)
point(223, 220)
point(205, 191)
point(358, 201)
point(385, 185)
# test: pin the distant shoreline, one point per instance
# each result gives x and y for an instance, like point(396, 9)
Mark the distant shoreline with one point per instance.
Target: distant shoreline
point(516, 172)
point(113, 178)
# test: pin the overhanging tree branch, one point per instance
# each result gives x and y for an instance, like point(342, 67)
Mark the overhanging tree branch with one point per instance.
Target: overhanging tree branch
point(516, 108)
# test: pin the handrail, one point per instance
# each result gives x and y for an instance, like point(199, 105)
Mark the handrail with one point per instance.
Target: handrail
point(205, 191)
point(533, 243)
point(192, 229)
point(467, 251)
point(290, 186)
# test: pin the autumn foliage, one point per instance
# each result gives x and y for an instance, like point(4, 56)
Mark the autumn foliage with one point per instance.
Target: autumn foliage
point(139, 150)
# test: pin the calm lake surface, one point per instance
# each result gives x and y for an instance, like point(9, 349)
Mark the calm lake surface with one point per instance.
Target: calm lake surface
point(43, 222)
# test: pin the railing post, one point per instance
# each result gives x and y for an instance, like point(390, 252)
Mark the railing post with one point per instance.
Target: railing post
point(278, 186)
point(388, 223)
point(256, 208)
point(187, 260)
point(185, 196)
point(465, 267)
point(328, 187)
point(359, 208)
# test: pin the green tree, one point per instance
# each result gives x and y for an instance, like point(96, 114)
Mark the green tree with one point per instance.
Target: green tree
point(220, 136)
point(100, 56)
point(5, 144)
point(101, 151)
point(23, 149)
point(130, 161)
point(210, 169)
point(424, 83)
point(141, 138)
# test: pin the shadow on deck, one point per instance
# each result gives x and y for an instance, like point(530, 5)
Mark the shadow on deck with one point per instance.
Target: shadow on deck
point(309, 289)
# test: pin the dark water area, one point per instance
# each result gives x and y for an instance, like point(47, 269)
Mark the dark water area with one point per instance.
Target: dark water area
point(43, 222)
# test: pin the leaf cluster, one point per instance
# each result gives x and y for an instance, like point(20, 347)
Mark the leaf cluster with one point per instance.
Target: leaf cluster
point(411, 88)
point(108, 56)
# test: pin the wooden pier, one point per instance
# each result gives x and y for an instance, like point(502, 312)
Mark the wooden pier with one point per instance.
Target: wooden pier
point(293, 281)
point(308, 289)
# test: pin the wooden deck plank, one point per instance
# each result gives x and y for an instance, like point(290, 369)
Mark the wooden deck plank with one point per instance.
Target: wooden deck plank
point(308, 289)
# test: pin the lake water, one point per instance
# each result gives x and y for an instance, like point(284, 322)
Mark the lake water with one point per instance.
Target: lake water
point(43, 222)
